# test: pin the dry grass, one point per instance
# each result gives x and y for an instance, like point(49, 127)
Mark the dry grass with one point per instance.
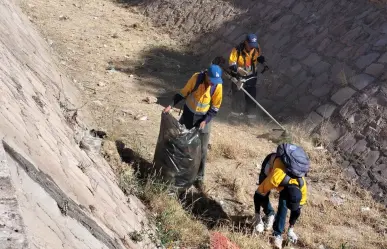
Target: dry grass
point(245, 240)
point(323, 222)
point(176, 227)
point(234, 143)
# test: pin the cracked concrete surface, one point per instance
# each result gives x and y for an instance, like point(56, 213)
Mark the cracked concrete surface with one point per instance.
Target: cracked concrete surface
point(46, 200)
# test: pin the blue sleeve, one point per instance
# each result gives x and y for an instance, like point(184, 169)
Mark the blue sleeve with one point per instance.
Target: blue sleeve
point(210, 114)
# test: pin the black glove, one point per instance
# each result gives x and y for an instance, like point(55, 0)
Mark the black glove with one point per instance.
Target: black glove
point(234, 71)
point(261, 59)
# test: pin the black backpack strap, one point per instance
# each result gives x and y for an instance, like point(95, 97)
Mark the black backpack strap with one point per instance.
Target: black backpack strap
point(287, 179)
point(200, 80)
point(253, 62)
point(300, 182)
point(239, 49)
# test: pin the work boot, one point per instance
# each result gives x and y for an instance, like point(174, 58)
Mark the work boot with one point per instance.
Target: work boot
point(278, 242)
point(258, 224)
point(269, 222)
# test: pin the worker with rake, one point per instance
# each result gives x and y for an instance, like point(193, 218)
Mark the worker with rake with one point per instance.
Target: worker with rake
point(203, 98)
point(284, 170)
point(243, 64)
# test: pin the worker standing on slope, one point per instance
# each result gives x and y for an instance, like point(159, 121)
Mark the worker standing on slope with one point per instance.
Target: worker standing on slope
point(284, 171)
point(203, 95)
point(245, 56)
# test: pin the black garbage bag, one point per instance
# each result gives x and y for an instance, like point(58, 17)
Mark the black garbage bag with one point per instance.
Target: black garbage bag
point(178, 152)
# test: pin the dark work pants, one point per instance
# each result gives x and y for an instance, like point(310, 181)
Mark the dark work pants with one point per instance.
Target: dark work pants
point(280, 218)
point(240, 102)
point(204, 138)
point(264, 202)
point(250, 107)
point(237, 99)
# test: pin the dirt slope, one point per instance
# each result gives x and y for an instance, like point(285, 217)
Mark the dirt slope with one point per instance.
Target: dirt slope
point(105, 48)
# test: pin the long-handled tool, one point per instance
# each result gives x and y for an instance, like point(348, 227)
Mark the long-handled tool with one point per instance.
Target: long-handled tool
point(239, 83)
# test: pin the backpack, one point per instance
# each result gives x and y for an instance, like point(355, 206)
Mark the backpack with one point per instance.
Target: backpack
point(296, 162)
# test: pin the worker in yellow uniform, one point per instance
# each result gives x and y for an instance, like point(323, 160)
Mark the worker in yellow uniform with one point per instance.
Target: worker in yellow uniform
point(203, 98)
point(245, 58)
point(285, 171)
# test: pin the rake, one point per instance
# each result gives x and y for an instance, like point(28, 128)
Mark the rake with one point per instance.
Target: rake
point(239, 83)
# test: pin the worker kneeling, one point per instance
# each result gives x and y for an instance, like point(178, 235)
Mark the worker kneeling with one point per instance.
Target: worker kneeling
point(285, 171)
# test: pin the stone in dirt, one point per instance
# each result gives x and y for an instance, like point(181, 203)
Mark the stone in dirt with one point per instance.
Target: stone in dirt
point(127, 112)
point(63, 17)
point(141, 117)
point(337, 200)
point(150, 100)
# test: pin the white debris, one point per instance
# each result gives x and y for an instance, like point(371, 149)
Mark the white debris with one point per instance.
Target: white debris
point(127, 112)
point(150, 99)
point(141, 117)
point(63, 17)
point(97, 102)
point(365, 209)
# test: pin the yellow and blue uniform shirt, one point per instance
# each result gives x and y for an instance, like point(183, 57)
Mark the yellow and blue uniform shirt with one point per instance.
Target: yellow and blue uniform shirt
point(202, 104)
point(246, 60)
point(276, 174)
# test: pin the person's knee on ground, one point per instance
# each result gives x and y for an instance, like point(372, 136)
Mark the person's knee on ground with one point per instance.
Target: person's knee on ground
point(251, 107)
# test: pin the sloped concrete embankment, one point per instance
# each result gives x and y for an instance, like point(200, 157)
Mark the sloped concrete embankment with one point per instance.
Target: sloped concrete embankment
point(329, 61)
point(53, 194)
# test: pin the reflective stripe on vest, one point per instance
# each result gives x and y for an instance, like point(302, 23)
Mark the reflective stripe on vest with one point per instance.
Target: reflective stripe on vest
point(196, 106)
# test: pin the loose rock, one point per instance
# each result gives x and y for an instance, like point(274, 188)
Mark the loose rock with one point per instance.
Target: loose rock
point(150, 100)
point(127, 112)
point(63, 17)
point(98, 103)
point(141, 117)
point(365, 209)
